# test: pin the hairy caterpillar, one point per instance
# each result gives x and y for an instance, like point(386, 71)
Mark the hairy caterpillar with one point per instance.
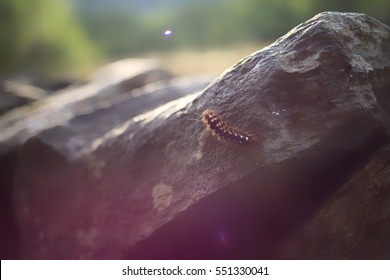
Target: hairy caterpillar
point(222, 130)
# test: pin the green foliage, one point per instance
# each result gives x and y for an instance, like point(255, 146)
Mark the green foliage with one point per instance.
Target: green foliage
point(44, 35)
point(41, 37)
point(380, 9)
point(203, 24)
point(269, 19)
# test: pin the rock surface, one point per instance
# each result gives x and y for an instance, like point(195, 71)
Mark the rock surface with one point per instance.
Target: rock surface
point(161, 186)
point(73, 139)
point(121, 77)
point(82, 119)
point(15, 93)
point(354, 223)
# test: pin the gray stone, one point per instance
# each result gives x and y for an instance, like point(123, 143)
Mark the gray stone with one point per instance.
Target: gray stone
point(15, 93)
point(20, 124)
point(120, 77)
point(354, 223)
point(73, 138)
point(162, 186)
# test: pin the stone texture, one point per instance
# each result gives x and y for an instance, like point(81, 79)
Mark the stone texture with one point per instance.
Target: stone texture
point(73, 138)
point(21, 124)
point(354, 223)
point(161, 186)
point(14, 93)
point(80, 115)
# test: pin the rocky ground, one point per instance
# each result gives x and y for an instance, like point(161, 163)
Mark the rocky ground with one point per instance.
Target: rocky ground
point(122, 167)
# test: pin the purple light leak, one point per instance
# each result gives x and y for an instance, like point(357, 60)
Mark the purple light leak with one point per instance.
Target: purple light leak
point(168, 33)
point(222, 237)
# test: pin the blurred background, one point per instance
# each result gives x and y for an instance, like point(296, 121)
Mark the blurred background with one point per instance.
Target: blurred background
point(49, 53)
point(72, 37)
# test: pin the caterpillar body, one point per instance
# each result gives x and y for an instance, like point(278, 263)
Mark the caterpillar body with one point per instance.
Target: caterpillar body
point(225, 131)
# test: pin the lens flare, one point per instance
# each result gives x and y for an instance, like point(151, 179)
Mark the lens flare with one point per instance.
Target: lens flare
point(168, 33)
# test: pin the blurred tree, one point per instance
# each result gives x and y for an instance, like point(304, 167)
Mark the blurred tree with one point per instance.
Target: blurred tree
point(204, 26)
point(123, 27)
point(41, 37)
point(269, 19)
point(380, 9)
point(115, 32)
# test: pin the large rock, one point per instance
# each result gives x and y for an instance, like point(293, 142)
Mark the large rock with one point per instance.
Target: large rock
point(354, 223)
point(15, 93)
point(73, 138)
point(79, 115)
point(115, 79)
point(316, 105)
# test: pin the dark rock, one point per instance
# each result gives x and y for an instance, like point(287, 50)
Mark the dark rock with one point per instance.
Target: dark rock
point(118, 78)
point(141, 71)
point(161, 186)
point(14, 93)
point(354, 223)
point(20, 124)
point(60, 83)
point(73, 138)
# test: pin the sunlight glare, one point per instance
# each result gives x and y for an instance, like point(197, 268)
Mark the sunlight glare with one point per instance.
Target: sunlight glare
point(168, 33)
